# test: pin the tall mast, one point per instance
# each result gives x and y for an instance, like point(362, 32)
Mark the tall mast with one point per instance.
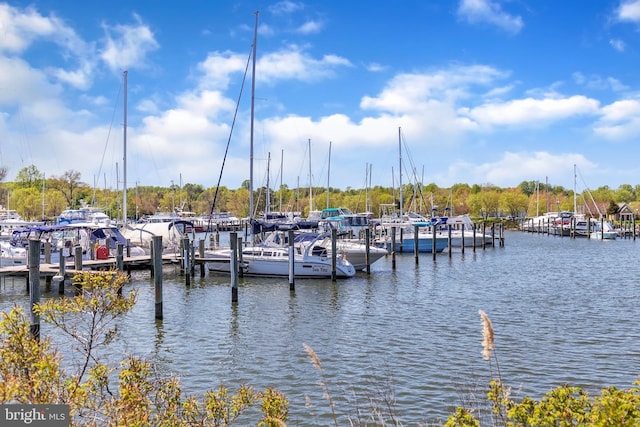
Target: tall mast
point(253, 92)
point(310, 183)
point(575, 177)
point(328, 174)
point(400, 151)
point(124, 138)
point(281, 168)
point(267, 208)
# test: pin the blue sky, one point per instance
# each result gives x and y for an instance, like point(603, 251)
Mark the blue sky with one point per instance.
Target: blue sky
point(484, 91)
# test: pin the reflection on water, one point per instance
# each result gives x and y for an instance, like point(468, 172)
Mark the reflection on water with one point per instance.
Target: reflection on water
point(563, 311)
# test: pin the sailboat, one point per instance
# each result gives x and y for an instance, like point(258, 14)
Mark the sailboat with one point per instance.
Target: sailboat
point(172, 229)
point(407, 227)
point(264, 260)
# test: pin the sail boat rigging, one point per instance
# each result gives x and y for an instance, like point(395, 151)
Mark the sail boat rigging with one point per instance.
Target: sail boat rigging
point(274, 259)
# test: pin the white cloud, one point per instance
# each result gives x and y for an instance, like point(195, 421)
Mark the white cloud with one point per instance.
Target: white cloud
point(530, 111)
point(310, 27)
point(514, 167)
point(375, 67)
point(620, 120)
point(292, 63)
point(130, 47)
point(488, 11)
point(617, 44)
point(285, 7)
point(629, 11)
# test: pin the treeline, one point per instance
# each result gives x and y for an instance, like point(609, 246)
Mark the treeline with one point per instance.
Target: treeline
point(35, 196)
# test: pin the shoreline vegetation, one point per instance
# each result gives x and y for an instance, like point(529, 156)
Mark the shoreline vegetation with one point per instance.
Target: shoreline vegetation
point(36, 197)
point(134, 392)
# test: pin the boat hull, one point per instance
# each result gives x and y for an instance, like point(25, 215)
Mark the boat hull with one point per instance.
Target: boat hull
point(278, 266)
point(425, 245)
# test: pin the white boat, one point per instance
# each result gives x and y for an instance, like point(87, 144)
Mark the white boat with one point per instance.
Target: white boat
point(84, 215)
point(352, 250)
point(96, 240)
point(344, 221)
point(462, 231)
point(603, 231)
point(264, 260)
point(171, 228)
point(12, 254)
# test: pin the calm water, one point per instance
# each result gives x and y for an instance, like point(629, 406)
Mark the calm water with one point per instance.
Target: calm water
point(563, 311)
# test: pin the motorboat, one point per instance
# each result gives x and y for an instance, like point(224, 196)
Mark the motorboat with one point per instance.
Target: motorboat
point(352, 249)
point(312, 260)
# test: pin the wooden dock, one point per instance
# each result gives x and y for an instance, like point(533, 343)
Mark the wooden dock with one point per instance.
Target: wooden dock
point(48, 270)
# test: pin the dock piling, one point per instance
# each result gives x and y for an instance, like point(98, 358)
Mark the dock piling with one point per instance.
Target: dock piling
point(157, 270)
point(34, 285)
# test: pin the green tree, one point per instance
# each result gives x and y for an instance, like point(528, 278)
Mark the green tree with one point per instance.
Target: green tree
point(68, 184)
point(30, 177)
point(513, 202)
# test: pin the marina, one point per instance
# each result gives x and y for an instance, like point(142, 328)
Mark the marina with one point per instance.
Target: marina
point(562, 310)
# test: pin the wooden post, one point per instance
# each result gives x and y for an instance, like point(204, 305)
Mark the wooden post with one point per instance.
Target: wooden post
point(484, 234)
point(474, 236)
point(602, 228)
point(47, 252)
point(393, 247)
point(464, 227)
point(334, 253)
point(128, 248)
point(234, 240)
point(240, 268)
point(186, 261)
point(449, 240)
point(433, 241)
point(201, 254)
point(77, 259)
point(157, 269)
point(401, 241)
point(292, 263)
point(61, 275)
point(34, 285)
point(416, 227)
point(367, 254)
point(119, 257)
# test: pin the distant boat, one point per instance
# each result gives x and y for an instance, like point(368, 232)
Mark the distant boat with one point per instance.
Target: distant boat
point(462, 231)
point(82, 215)
point(405, 240)
point(171, 228)
point(12, 254)
point(63, 238)
point(352, 250)
point(603, 230)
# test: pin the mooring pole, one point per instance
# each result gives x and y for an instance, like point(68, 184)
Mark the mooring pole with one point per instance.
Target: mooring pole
point(334, 253)
point(201, 254)
point(186, 252)
point(34, 285)
point(292, 262)
point(434, 247)
point(157, 273)
point(415, 242)
point(61, 275)
point(393, 247)
point(120, 257)
point(233, 265)
point(367, 254)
